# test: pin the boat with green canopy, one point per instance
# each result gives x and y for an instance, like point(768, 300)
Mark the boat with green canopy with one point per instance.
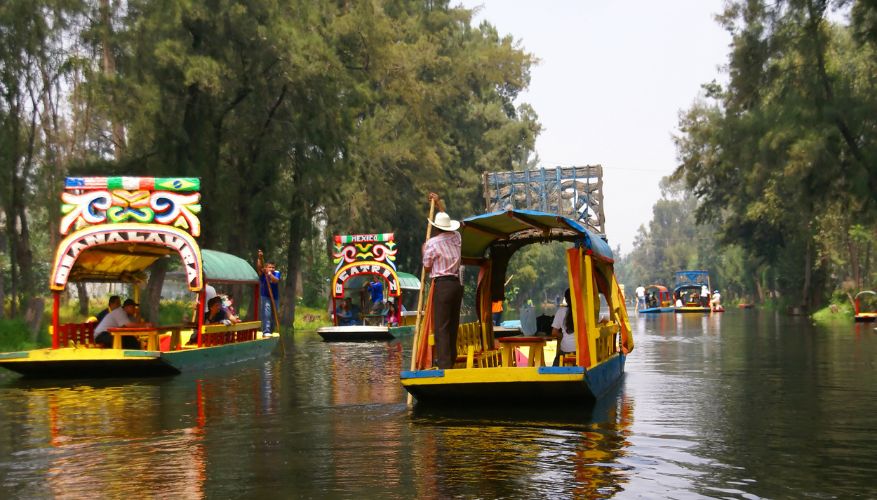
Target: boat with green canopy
point(114, 229)
point(368, 300)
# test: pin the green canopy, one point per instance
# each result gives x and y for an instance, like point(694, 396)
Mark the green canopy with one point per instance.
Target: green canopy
point(221, 267)
point(408, 281)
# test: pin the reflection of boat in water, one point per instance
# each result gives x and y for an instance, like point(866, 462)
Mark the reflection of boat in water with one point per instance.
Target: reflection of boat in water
point(487, 373)
point(688, 289)
point(101, 245)
point(658, 300)
point(866, 306)
point(356, 315)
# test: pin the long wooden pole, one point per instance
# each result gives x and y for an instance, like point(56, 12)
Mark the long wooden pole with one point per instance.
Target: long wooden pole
point(420, 298)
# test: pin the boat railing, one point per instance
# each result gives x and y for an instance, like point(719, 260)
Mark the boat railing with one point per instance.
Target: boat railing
point(213, 335)
point(608, 340)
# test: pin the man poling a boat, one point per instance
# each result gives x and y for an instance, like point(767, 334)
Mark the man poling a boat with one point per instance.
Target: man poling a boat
point(269, 277)
point(441, 259)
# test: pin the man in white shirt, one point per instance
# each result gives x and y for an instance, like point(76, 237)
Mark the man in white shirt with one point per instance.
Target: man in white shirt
point(704, 296)
point(640, 297)
point(119, 317)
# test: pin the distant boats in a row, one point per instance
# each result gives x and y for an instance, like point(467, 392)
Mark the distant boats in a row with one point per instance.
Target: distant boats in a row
point(691, 294)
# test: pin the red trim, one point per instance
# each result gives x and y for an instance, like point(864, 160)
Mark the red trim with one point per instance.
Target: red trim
point(201, 296)
point(256, 304)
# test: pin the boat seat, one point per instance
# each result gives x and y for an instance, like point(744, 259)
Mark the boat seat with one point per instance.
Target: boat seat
point(77, 335)
point(470, 348)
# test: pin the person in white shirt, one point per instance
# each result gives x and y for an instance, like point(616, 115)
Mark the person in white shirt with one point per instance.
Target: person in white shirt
point(562, 327)
point(640, 297)
point(704, 296)
point(716, 301)
point(119, 317)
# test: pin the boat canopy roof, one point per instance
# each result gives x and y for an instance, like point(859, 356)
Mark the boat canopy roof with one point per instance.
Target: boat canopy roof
point(221, 267)
point(697, 278)
point(408, 281)
point(521, 227)
point(660, 288)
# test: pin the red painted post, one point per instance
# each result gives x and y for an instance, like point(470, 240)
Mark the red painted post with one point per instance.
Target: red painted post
point(201, 296)
point(256, 304)
point(56, 324)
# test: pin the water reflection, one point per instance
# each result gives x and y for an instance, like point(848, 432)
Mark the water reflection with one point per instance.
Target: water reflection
point(522, 452)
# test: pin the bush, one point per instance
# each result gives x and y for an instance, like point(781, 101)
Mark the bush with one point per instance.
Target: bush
point(14, 336)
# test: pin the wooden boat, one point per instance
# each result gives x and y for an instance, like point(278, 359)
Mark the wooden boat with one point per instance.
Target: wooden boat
point(662, 300)
point(688, 287)
point(866, 306)
point(486, 371)
point(358, 258)
point(103, 244)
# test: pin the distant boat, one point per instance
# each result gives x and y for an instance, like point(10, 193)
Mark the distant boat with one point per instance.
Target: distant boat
point(866, 306)
point(358, 258)
point(658, 300)
point(688, 288)
point(746, 306)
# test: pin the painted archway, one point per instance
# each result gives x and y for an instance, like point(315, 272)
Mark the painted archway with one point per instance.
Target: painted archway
point(129, 246)
point(365, 267)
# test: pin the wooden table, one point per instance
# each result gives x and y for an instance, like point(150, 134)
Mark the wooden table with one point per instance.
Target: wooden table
point(536, 345)
point(501, 331)
point(150, 332)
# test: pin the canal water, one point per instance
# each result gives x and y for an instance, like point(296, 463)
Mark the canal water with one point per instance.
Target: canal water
point(746, 404)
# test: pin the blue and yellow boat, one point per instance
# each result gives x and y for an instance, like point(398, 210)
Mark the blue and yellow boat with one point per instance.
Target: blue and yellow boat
point(488, 371)
point(115, 228)
point(688, 287)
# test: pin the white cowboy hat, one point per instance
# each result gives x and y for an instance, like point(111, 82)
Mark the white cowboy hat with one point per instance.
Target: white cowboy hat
point(444, 222)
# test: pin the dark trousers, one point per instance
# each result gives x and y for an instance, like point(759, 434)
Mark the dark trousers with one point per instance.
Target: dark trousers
point(447, 297)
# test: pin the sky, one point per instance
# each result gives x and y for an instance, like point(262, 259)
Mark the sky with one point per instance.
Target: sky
point(610, 83)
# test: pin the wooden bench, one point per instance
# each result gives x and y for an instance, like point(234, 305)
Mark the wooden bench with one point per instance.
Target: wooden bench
point(469, 347)
point(229, 334)
point(79, 334)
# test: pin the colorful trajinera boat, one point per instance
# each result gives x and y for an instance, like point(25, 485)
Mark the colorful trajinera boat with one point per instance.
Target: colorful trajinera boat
point(115, 228)
point(487, 370)
point(688, 289)
point(866, 306)
point(658, 300)
point(360, 260)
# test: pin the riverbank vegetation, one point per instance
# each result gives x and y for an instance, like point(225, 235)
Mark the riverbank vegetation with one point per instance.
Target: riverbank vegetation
point(778, 164)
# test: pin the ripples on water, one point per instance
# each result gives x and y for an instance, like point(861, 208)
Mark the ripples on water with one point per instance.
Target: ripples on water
point(740, 405)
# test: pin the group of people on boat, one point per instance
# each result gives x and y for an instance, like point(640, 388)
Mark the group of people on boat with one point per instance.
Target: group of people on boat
point(646, 299)
point(350, 315)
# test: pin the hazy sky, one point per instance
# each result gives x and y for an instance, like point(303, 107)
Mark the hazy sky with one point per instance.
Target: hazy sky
point(609, 86)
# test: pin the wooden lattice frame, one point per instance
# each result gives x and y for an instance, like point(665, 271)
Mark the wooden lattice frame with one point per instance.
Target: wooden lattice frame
point(574, 192)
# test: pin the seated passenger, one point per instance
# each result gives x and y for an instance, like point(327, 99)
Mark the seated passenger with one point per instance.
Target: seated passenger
point(344, 313)
point(562, 328)
point(228, 307)
point(214, 315)
point(114, 303)
point(393, 315)
point(122, 316)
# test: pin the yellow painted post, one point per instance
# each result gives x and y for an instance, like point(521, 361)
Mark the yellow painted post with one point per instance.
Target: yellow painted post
point(589, 290)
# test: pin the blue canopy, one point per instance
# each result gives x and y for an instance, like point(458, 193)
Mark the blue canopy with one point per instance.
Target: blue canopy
point(524, 227)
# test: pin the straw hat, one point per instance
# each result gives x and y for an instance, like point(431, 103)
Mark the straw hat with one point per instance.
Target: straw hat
point(444, 222)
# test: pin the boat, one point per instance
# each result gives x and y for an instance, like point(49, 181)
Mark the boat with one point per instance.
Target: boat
point(687, 288)
point(866, 306)
point(495, 371)
point(359, 258)
point(658, 300)
point(114, 228)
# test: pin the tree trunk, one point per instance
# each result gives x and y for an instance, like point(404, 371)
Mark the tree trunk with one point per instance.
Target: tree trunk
point(82, 292)
point(293, 263)
point(33, 316)
point(2, 297)
point(157, 272)
point(109, 66)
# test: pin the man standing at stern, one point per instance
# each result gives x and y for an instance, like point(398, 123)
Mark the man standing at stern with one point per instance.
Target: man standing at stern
point(441, 258)
point(269, 276)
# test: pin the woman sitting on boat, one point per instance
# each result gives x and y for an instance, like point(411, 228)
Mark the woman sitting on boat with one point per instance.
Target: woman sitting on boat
point(345, 313)
point(562, 328)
